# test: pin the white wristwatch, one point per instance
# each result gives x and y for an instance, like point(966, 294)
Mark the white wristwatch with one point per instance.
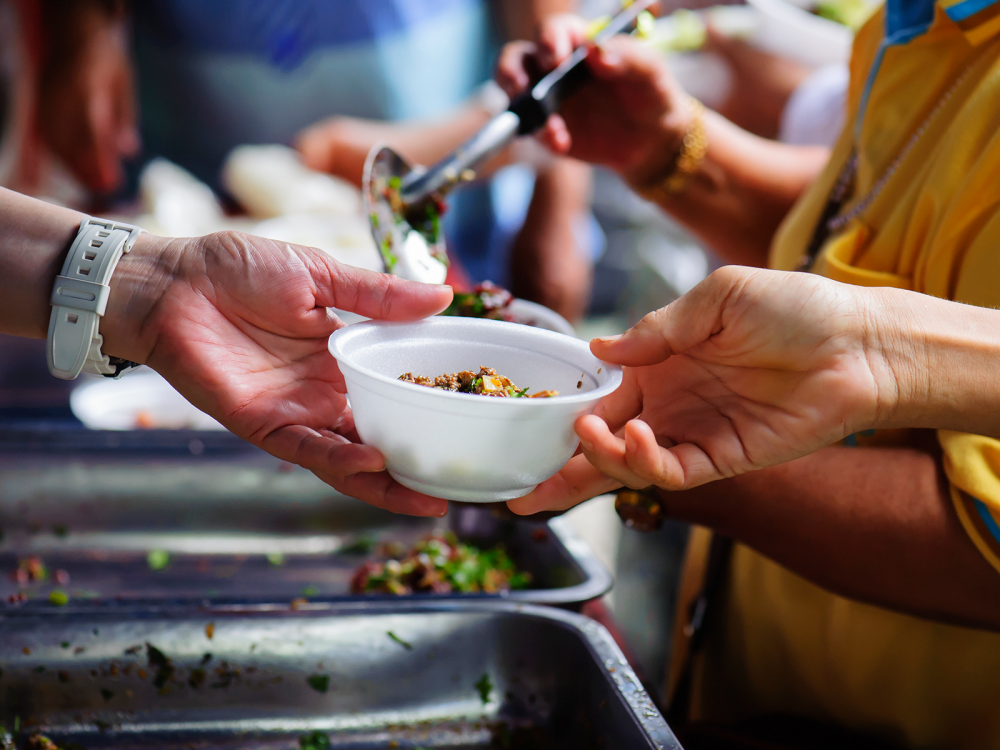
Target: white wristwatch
point(80, 297)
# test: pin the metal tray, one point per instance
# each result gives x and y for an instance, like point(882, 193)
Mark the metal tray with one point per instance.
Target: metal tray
point(94, 504)
point(370, 674)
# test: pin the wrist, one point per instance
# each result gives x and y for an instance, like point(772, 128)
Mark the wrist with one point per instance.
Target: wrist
point(896, 347)
point(137, 285)
point(662, 147)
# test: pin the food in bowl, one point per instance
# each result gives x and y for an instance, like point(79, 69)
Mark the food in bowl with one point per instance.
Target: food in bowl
point(486, 382)
point(471, 449)
point(486, 300)
point(440, 564)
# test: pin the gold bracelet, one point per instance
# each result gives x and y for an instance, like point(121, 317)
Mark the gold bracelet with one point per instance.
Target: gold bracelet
point(689, 158)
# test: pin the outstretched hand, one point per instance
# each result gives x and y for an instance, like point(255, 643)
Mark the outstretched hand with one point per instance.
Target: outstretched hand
point(239, 325)
point(749, 369)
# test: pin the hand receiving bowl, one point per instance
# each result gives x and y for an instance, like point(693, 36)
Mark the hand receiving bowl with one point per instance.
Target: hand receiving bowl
point(461, 446)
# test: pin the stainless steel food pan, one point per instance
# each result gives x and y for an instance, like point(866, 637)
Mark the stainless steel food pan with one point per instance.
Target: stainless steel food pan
point(237, 524)
point(368, 674)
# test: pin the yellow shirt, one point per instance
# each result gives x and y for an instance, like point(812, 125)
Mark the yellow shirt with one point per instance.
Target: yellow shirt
point(787, 646)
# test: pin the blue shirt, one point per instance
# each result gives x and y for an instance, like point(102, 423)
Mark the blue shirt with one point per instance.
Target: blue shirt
point(213, 75)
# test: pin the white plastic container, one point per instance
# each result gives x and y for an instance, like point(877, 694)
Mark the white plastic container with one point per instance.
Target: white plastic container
point(787, 28)
point(140, 400)
point(461, 446)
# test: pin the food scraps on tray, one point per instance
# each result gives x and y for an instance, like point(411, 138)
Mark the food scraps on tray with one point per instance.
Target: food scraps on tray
point(441, 564)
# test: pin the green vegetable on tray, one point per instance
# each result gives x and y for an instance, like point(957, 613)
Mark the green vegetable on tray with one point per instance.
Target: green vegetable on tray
point(441, 564)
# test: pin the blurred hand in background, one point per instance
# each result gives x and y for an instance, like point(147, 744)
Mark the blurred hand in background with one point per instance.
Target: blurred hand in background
point(86, 99)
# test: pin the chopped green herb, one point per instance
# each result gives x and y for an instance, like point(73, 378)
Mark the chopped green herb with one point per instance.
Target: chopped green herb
point(163, 666)
point(276, 558)
point(315, 741)
point(59, 597)
point(387, 255)
point(484, 687)
point(158, 559)
point(65, 644)
point(319, 682)
point(360, 546)
point(405, 644)
point(310, 590)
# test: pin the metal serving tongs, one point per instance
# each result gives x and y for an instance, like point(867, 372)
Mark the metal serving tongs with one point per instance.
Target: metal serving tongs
point(404, 203)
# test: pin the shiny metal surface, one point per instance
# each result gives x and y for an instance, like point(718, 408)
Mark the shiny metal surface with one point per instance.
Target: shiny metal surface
point(492, 138)
point(422, 261)
point(371, 674)
point(237, 525)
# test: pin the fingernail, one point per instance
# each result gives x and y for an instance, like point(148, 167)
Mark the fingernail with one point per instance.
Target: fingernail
point(587, 446)
point(609, 339)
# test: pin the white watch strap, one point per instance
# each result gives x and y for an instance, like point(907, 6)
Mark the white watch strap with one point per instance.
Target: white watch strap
point(80, 297)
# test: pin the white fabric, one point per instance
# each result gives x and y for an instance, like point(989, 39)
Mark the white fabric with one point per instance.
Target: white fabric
point(814, 114)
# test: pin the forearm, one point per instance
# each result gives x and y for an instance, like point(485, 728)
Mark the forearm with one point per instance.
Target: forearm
point(547, 263)
point(743, 190)
point(944, 357)
point(519, 19)
point(34, 237)
point(874, 524)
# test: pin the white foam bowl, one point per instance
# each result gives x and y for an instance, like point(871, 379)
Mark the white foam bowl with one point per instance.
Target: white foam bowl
point(461, 446)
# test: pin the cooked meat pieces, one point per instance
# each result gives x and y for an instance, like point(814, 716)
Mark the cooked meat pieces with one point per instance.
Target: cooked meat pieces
point(487, 382)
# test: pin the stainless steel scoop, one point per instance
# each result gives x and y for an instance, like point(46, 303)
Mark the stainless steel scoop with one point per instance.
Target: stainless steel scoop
point(397, 196)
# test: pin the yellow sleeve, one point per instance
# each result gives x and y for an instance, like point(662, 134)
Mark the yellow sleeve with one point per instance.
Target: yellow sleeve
point(972, 464)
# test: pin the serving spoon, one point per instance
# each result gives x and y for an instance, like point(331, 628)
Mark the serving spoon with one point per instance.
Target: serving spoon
point(404, 203)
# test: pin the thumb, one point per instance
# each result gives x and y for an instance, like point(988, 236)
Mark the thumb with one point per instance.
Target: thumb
point(684, 323)
point(626, 58)
point(371, 294)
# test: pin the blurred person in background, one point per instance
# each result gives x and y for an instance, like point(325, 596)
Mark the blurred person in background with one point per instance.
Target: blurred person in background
point(211, 76)
point(906, 199)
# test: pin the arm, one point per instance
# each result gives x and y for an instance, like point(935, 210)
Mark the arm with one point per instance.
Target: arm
point(633, 118)
point(874, 524)
point(520, 19)
point(547, 263)
point(239, 325)
point(340, 145)
point(753, 368)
